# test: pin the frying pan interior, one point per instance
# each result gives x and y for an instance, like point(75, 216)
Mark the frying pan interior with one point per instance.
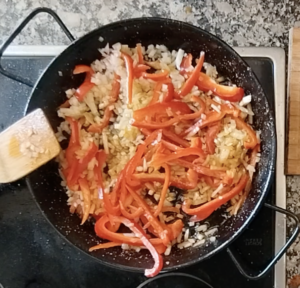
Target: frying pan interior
point(49, 94)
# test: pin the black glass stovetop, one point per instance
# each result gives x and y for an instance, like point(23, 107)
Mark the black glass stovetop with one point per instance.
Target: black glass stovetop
point(33, 254)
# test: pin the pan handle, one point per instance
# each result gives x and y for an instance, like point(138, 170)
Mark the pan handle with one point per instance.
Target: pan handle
point(17, 32)
point(279, 254)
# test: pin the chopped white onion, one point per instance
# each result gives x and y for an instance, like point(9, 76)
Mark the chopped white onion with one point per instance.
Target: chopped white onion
point(246, 100)
point(214, 193)
point(179, 57)
point(216, 108)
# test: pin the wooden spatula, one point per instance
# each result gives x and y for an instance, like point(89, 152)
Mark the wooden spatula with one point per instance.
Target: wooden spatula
point(25, 146)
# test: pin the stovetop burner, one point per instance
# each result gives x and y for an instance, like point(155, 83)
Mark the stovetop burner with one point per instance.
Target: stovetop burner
point(32, 254)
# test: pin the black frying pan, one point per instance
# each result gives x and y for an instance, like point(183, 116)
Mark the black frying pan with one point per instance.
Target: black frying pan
point(48, 94)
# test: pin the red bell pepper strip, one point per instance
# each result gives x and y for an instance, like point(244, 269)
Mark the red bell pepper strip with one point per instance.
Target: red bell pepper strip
point(156, 93)
point(192, 158)
point(69, 172)
point(109, 207)
point(133, 163)
point(149, 227)
point(83, 89)
point(83, 163)
point(152, 137)
point(129, 68)
point(161, 149)
point(116, 188)
point(87, 157)
point(145, 131)
point(176, 228)
point(192, 176)
point(175, 138)
point(127, 177)
point(182, 163)
point(164, 190)
point(191, 81)
point(101, 158)
point(128, 215)
point(186, 63)
point(79, 69)
point(123, 193)
point(220, 174)
point(211, 134)
point(232, 94)
point(155, 125)
point(74, 145)
point(158, 125)
point(156, 76)
point(115, 90)
point(119, 185)
point(180, 183)
point(139, 70)
point(209, 181)
point(170, 93)
point(196, 142)
point(160, 248)
point(171, 146)
point(242, 125)
point(176, 107)
point(176, 95)
point(205, 210)
point(159, 159)
point(140, 53)
point(87, 85)
point(150, 217)
point(198, 113)
point(71, 160)
point(86, 194)
point(228, 108)
point(211, 119)
point(205, 171)
point(98, 128)
point(74, 125)
point(104, 246)
point(111, 225)
point(102, 231)
point(139, 232)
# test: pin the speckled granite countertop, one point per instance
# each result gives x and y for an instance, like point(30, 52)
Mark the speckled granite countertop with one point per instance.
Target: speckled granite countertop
point(248, 23)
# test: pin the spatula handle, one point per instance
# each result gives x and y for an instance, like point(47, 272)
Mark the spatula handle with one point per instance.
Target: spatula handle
point(17, 32)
